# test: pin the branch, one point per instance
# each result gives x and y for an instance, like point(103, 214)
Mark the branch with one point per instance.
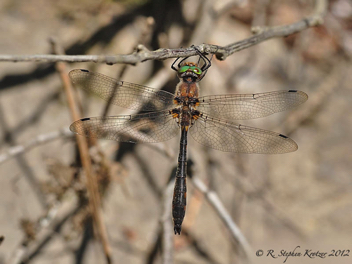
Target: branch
point(38, 140)
point(18, 255)
point(142, 54)
point(146, 33)
point(167, 227)
point(21, 254)
point(335, 79)
point(215, 202)
point(91, 183)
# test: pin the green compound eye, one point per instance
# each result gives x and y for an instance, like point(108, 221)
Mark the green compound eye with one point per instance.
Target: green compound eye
point(196, 70)
point(183, 69)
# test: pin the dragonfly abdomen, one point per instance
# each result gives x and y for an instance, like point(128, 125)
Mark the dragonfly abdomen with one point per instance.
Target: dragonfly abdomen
point(180, 191)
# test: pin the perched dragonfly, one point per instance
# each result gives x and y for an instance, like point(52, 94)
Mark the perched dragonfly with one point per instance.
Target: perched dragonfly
point(165, 115)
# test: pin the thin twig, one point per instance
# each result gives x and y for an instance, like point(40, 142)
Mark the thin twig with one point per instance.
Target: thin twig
point(40, 227)
point(41, 139)
point(222, 52)
point(38, 140)
point(145, 35)
point(260, 15)
point(221, 7)
point(249, 190)
point(92, 186)
point(167, 234)
point(56, 226)
point(335, 79)
point(204, 24)
point(316, 19)
point(215, 202)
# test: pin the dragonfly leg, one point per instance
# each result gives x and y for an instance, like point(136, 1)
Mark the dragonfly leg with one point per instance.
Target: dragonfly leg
point(207, 62)
point(173, 67)
point(179, 64)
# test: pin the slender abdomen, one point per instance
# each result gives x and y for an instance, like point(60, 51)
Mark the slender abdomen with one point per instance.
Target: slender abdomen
point(179, 199)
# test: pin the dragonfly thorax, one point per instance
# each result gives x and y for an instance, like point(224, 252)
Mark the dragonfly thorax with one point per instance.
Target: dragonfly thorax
point(186, 93)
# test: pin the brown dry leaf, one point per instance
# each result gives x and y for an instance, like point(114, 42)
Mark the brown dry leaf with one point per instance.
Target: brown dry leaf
point(320, 45)
point(285, 12)
point(129, 234)
point(62, 173)
point(29, 229)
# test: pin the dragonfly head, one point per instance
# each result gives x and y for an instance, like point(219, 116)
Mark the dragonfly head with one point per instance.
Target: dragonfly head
point(189, 70)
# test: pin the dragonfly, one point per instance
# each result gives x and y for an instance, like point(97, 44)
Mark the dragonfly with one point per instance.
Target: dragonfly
point(163, 115)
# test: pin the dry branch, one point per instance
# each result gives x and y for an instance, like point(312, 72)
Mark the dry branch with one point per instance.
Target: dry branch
point(337, 77)
point(22, 250)
point(215, 202)
point(222, 52)
point(38, 140)
point(167, 227)
point(92, 185)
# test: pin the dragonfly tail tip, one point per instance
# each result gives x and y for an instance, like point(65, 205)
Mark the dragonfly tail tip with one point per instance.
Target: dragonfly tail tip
point(177, 230)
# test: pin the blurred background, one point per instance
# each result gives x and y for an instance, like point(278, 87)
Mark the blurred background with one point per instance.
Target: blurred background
point(278, 201)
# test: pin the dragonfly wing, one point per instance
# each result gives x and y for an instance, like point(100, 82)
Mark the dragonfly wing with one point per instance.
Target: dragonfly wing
point(124, 94)
point(249, 106)
point(147, 127)
point(227, 136)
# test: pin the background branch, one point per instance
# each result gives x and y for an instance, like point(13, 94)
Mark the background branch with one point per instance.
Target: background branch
point(92, 186)
point(216, 203)
point(38, 140)
point(142, 54)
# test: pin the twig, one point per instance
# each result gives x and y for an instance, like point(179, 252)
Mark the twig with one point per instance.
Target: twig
point(316, 19)
point(204, 24)
point(198, 245)
point(146, 34)
point(18, 255)
point(254, 192)
point(260, 15)
point(167, 234)
point(38, 140)
point(222, 52)
point(337, 78)
point(64, 132)
point(215, 202)
point(21, 255)
point(92, 186)
point(221, 7)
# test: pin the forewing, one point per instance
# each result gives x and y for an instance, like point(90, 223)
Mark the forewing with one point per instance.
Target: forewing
point(147, 127)
point(249, 106)
point(124, 94)
point(226, 136)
